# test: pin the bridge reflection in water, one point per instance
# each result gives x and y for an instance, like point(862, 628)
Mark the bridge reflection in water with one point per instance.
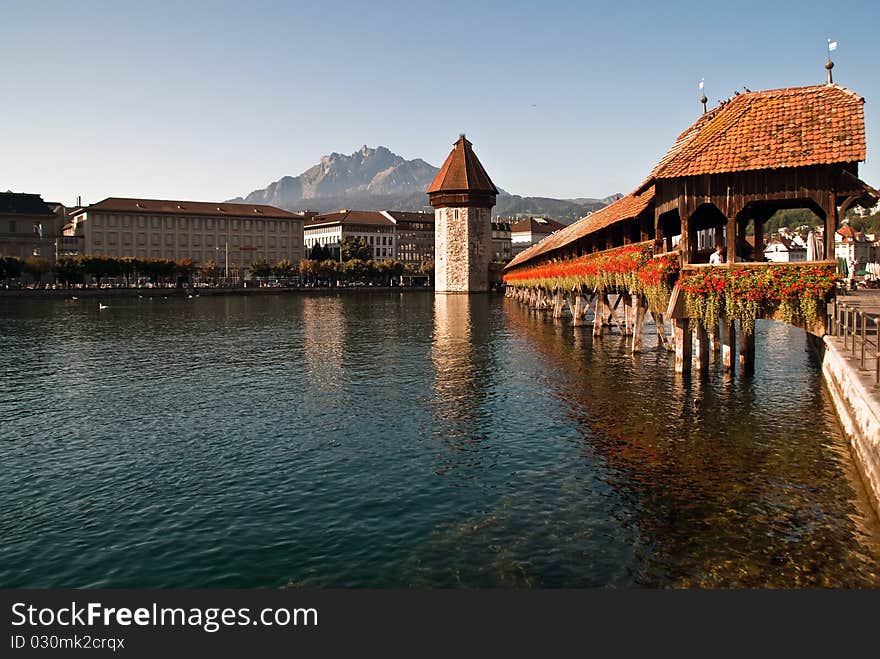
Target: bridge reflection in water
point(675, 480)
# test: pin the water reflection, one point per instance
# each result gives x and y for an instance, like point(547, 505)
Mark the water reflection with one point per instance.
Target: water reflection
point(462, 365)
point(722, 475)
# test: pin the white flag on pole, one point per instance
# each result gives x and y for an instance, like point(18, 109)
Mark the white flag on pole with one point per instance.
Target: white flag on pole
point(701, 84)
point(832, 45)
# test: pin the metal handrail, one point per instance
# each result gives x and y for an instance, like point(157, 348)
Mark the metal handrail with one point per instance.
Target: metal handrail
point(851, 324)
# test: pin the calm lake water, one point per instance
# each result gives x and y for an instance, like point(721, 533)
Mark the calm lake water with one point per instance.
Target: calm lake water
point(388, 439)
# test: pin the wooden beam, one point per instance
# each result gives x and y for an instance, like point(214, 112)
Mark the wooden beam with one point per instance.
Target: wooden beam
point(558, 304)
point(597, 315)
point(701, 347)
point(747, 352)
point(683, 345)
point(728, 343)
point(731, 239)
point(685, 244)
point(639, 307)
point(831, 219)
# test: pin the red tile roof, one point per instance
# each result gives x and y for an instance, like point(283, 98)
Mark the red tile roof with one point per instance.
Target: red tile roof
point(165, 206)
point(623, 209)
point(849, 234)
point(346, 216)
point(462, 172)
point(792, 127)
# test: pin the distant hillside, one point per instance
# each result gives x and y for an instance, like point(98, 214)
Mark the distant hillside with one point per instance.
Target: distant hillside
point(378, 179)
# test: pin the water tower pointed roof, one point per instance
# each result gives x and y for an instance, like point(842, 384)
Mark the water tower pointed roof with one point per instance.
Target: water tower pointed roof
point(462, 172)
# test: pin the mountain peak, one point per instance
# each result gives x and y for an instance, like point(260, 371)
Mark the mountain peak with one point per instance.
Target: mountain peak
point(379, 179)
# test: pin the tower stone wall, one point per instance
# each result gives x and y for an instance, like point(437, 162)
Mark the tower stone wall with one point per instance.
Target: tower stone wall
point(463, 238)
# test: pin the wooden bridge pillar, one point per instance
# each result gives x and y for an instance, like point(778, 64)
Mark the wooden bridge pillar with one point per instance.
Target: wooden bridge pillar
point(628, 310)
point(558, 304)
point(683, 345)
point(728, 343)
point(714, 339)
point(599, 315)
point(747, 352)
point(639, 308)
point(577, 316)
point(701, 347)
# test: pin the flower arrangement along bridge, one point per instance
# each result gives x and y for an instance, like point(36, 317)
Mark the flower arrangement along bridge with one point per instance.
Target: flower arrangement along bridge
point(723, 178)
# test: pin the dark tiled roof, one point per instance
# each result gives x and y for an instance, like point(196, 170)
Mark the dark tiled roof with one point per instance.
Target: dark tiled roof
point(536, 225)
point(623, 209)
point(462, 172)
point(164, 206)
point(791, 127)
point(21, 203)
point(346, 216)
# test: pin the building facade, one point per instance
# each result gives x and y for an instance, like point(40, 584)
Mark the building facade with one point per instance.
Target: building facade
point(231, 235)
point(852, 245)
point(330, 229)
point(530, 231)
point(415, 236)
point(502, 250)
point(784, 250)
point(28, 226)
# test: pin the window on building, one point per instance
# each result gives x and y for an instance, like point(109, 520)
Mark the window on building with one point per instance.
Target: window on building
point(11, 226)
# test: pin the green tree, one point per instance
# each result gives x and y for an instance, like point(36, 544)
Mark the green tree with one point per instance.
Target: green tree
point(184, 268)
point(327, 270)
point(209, 270)
point(356, 248)
point(68, 269)
point(308, 270)
point(12, 267)
point(36, 267)
point(284, 268)
point(261, 268)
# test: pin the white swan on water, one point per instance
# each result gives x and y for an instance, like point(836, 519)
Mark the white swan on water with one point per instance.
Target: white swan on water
point(101, 307)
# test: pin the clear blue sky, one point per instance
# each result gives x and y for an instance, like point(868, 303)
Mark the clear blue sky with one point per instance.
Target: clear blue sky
point(210, 100)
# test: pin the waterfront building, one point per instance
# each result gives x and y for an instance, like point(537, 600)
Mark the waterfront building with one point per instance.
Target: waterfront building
point(531, 230)
point(414, 231)
point(329, 230)
point(462, 195)
point(28, 226)
point(784, 250)
point(502, 250)
point(852, 245)
point(233, 235)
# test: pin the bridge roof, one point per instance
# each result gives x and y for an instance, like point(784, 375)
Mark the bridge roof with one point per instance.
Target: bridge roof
point(624, 208)
point(790, 127)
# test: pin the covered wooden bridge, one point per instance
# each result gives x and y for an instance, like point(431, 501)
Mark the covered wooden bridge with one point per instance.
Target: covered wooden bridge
point(723, 178)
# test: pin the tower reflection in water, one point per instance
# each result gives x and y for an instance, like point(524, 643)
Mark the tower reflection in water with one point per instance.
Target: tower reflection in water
point(462, 360)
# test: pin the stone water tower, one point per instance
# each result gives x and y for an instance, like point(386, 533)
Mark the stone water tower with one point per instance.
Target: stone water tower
point(462, 195)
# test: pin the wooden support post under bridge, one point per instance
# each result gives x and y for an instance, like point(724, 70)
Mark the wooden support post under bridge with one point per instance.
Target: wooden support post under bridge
point(661, 330)
point(580, 310)
point(728, 343)
point(683, 346)
point(598, 314)
point(747, 352)
point(639, 308)
point(701, 347)
point(558, 304)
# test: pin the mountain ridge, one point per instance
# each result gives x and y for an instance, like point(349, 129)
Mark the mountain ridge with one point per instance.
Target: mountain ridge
point(379, 179)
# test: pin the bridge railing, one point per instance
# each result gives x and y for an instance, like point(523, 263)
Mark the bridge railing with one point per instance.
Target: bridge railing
point(860, 332)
